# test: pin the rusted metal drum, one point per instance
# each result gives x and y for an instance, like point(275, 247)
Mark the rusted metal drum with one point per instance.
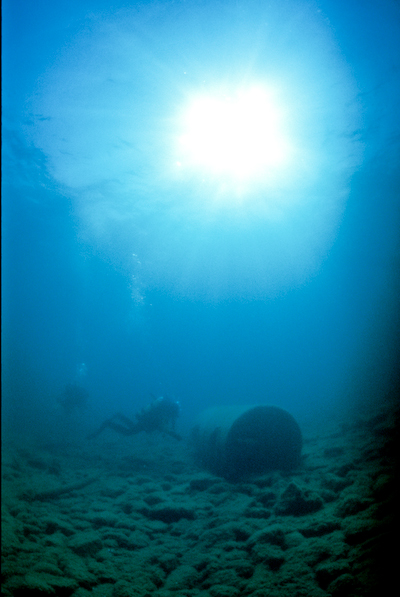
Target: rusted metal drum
point(236, 441)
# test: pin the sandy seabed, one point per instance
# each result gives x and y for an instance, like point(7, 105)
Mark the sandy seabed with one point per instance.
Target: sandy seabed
point(122, 517)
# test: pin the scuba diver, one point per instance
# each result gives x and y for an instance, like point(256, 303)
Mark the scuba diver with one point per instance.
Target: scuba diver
point(160, 415)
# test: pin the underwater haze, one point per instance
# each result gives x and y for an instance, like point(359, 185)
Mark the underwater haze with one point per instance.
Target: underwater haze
point(200, 200)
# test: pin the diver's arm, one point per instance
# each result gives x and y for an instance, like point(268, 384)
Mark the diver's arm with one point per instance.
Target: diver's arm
point(122, 429)
point(127, 422)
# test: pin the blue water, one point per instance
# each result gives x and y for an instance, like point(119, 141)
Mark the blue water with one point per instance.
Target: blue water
point(160, 282)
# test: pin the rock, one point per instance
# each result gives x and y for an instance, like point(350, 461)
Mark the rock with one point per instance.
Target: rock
point(358, 529)
point(123, 588)
point(169, 513)
point(342, 586)
point(251, 512)
point(223, 591)
point(74, 566)
point(294, 539)
point(105, 519)
point(335, 483)
point(227, 577)
point(85, 544)
point(54, 525)
point(315, 550)
point(351, 504)
point(183, 577)
point(11, 531)
point(329, 571)
point(295, 501)
point(267, 498)
point(270, 555)
point(273, 535)
point(168, 562)
point(35, 583)
point(321, 527)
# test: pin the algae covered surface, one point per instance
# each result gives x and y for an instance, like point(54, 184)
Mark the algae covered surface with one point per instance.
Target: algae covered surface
point(137, 517)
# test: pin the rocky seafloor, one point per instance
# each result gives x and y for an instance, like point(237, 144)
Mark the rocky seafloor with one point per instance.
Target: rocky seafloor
point(121, 517)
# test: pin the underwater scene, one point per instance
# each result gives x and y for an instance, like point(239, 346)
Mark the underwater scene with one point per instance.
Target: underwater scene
point(200, 298)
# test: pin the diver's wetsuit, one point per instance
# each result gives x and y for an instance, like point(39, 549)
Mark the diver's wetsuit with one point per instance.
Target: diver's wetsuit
point(161, 416)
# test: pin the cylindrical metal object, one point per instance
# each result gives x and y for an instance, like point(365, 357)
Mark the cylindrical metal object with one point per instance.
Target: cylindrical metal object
point(233, 441)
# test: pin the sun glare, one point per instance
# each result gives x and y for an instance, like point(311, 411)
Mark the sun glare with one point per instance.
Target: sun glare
point(235, 136)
